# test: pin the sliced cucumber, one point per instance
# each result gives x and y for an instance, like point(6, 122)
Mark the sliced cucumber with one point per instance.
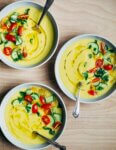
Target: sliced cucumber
point(28, 91)
point(35, 96)
point(2, 37)
point(18, 40)
point(13, 17)
point(28, 108)
point(101, 86)
point(56, 110)
point(49, 99)
point(14, 55)
point(20, 56)
point(15, 102)
point(94, 47)
point(57, 117)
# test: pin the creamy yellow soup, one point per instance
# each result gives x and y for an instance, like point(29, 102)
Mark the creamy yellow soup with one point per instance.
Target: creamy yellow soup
point(91, 62)
point(31, 45)
point(27, 112)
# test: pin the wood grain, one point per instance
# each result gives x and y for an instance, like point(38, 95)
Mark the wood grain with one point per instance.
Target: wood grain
point(96, 127)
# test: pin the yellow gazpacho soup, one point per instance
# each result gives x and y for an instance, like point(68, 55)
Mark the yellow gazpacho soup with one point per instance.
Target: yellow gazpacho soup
point(92, 62)
point(33, 109)
point(21, 42)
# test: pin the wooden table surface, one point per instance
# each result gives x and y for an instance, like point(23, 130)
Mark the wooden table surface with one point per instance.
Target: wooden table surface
point(95, 129)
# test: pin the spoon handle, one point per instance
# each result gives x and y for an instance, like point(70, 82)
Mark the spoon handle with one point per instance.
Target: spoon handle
point(46, 7)
point(77, 106)
point(61, 147)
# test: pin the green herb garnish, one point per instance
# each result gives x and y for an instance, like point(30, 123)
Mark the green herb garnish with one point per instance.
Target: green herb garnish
point(28, 108)
point(85, 74)
point(105, 78)
point(31, 41)
point(100, 73)
point(20, 99)
point(90, 55)
point(27, 11)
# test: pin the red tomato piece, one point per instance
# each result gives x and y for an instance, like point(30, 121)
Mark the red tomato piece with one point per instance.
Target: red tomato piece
point(99, 63)
point(47, 111)
point(46, 106)
point(92, 70)
point(23, 16)
point(102, 47)
point(42, 100)
point(12, 26)
point(28, 98)
point(91, 92)
point(57, 124)
point(46, 119)
point(7, 51)
point(108, 67)
point(34, 108)
point(20, 30)
point(10, 37)
point(4, 26)
point(95, 80)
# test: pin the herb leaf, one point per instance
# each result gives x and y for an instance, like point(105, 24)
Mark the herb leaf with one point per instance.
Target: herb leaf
point(105, 78)
point(85, 74)
point(100, 72)
point(90, 55)
point(27, 11)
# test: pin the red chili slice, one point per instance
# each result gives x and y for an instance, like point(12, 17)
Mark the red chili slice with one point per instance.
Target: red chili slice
point(34, 108)
point(7, 51)
point(91, 92)
point(12, 26)
point(92, 70)
point(99, 63)
point(20, 30)
point(95, 80)
point(57, 124)
point(10, 37)
point(23, 16)
point(4, 26)
point(42, 100)
point(108, 67)
point(24, 54)
point(46, 119)
point(28, 98)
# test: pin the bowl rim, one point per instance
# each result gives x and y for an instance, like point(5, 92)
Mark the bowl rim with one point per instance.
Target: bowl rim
point(3, 125)
point(58, 80)
point(56, 31)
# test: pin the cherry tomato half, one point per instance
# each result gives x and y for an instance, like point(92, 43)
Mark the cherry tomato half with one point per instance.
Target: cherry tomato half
point(34, 108)
point(95, 80)
point(10, 37)
point(12, 26)
point(42, 100)
point(46, 106)
point(108, 67)
point(23, 16)
point(57, 124)
point(91, 92)
point(20, 30)
point(92, 70)
point(7, 51)
point(28, 98)
point(99, 63)
point(46, 119)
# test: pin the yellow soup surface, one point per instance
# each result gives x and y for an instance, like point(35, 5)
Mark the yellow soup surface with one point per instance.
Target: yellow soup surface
point(33, 109)
point(20, 40)
point(91, 62)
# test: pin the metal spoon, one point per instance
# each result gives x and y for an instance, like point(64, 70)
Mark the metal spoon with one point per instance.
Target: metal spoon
point(61, 147)
point(76, 110)
point(45, 9)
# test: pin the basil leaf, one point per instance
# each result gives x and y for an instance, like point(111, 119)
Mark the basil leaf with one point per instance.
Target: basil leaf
point(105, 78)
point(22, 94)
point(20, 99)
point(28, 108)
point(51, 132)
point(100, 73)
point(85, 74)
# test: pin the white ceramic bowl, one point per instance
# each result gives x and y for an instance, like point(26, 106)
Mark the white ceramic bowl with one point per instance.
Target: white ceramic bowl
point(3, 125)
point(11, 7)
point(57, 74)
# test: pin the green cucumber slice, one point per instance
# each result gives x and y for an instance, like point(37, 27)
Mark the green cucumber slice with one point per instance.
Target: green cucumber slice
point(100, 87)
point(28, 91)
point(18, 40)
point(57, 117)
point(35, 96)
point(94, 47)
point(49, 99)
point(14, 56)
point(15, 102)
point(56, 110)
point(51, 121)
point(13, 17)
